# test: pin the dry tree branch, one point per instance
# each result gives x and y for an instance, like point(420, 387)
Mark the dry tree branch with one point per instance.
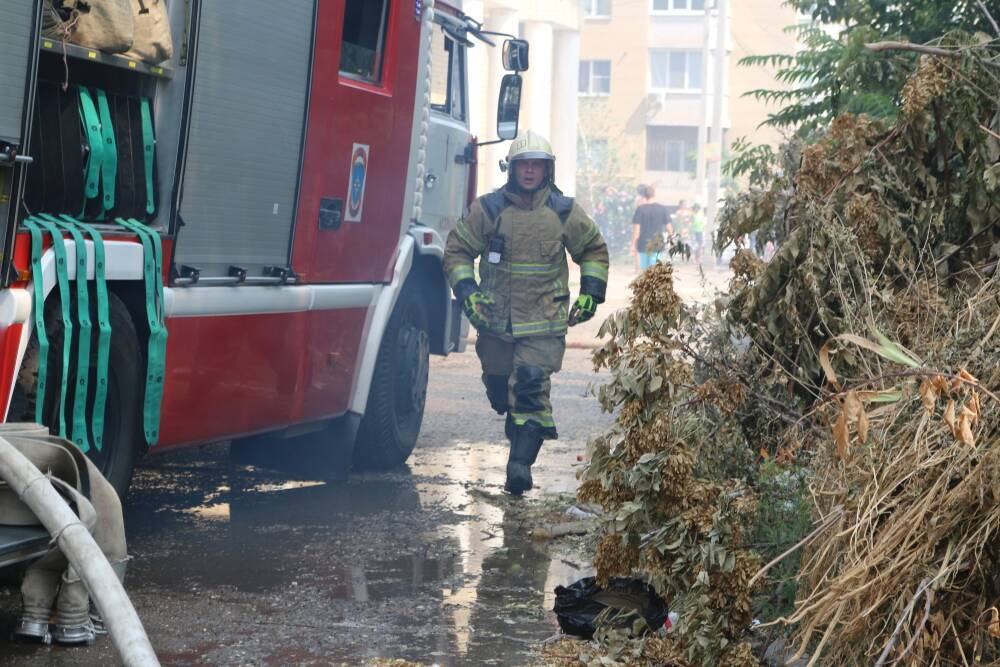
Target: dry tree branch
point(902, 619)
point(781, 411)
point(920, 48)
point(967, 241)
point(989, 17)
point(928, 597)
point(989, 131)
point(826, 636)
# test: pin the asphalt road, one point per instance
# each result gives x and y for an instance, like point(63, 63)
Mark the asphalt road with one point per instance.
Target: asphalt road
point(432, 563)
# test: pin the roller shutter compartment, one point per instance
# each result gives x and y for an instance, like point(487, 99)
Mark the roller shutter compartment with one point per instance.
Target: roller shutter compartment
point(245, 138)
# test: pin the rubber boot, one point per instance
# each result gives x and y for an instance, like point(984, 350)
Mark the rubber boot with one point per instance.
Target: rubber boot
point(524, 448)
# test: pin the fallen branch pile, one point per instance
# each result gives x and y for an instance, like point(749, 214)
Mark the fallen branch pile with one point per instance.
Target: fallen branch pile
point(866, 353)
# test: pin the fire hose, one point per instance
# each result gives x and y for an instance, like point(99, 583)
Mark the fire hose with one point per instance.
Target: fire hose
point(72, 537)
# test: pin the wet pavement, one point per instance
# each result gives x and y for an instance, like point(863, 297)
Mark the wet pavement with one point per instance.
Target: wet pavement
point(431, 563)
point(236, 565)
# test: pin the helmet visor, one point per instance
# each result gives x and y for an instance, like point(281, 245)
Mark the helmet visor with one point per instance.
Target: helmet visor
point(532, 155)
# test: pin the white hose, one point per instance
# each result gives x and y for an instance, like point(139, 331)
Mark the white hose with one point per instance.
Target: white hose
point(82, 552)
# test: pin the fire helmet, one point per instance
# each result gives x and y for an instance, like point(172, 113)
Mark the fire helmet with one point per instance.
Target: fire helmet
point(530, 146)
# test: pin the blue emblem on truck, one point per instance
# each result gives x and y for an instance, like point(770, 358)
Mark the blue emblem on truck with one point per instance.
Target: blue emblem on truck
point(356, 183)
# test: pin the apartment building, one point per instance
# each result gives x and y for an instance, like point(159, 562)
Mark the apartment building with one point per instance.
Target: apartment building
point(549, 97)
point(648, 81)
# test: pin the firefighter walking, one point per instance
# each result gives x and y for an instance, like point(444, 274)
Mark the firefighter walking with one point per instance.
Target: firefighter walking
point(521, 234)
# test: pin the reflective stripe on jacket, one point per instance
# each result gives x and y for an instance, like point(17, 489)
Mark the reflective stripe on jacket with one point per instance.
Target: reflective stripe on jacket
point(530, 283)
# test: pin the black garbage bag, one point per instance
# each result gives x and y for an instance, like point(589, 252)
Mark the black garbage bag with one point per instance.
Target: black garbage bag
point(578, 605)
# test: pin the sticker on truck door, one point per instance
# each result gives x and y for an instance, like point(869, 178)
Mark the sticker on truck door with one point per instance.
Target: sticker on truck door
point(356, 183)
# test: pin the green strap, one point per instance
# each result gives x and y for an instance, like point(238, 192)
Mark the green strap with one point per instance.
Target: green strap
point(156, 357)
point(103, 336)
point(109, 161)
point(37, 278)
point(83, 339)
point(62, 279)
point(92, 126)
point(148, 143)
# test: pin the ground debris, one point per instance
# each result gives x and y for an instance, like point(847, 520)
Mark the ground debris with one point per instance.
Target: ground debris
point(645, 652)
point(548, 531)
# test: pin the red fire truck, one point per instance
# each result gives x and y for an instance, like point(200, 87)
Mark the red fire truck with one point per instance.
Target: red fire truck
point(244, 240)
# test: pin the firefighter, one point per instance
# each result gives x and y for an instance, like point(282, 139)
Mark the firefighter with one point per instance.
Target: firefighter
point(521, 307)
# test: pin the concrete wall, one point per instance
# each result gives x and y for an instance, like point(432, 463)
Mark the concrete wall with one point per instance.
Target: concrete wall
point(549, 102)
point(758, 28)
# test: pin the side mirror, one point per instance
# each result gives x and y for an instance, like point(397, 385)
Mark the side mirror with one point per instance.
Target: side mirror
point(509, 106)
point(515, 55)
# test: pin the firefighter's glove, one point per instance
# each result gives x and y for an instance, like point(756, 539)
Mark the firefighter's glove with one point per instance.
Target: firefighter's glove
point(584, 309)
point(476, 306)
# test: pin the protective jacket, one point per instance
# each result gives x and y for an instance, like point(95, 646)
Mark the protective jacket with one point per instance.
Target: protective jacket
point(521, 242)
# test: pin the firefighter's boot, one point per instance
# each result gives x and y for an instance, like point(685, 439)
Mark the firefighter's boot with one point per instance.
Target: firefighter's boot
point(524, 447)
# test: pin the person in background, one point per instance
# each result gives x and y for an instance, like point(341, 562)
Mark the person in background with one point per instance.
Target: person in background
point(682, 221)
point(683, 218)
point(649, 221)
point(697, 232)
point(634, 248)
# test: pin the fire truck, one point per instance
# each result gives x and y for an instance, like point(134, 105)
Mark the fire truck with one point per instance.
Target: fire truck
point(244, 242)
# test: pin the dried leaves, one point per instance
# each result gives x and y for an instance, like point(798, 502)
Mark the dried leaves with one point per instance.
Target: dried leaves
point(962, 419)
point(880, 229)
point(931, 80)
point(993, 627)
point(889, 228)
point(654, 297)
point(680, 531)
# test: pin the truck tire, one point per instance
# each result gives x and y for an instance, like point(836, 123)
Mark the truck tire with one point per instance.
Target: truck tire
point(389, 429)
point(122, 437)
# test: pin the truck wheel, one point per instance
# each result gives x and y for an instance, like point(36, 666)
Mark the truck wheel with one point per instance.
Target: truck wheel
point(389, 429)
point(117, 456)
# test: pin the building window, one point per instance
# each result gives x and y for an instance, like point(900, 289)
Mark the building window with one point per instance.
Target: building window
point(678, 6)
point(363, 41)
point(675, 70)
point(597, 9)
point(671, 148)
point(595, 77)
point(447, 84)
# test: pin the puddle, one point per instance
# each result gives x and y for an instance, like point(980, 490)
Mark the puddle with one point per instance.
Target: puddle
point(237, 565)
point(450, 569)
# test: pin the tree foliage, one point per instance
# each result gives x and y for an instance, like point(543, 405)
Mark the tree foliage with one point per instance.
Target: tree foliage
point(834, 73)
